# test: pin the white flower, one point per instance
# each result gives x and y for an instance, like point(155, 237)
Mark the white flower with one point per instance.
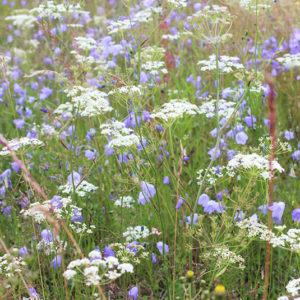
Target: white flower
point(112, 275)
point(111, 261)
point(125, 201)
point(136, 233)
point(85, 43)
point(293, 287)
point(226, 64)
point(22, 20)
point(178, 3)
point(81, 190)
point(126, 267)
point(290, 60)
point(68, 274)
point(176, 108)
point(16, 144)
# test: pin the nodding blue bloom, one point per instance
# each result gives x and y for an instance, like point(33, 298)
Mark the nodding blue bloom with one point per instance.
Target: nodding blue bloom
point(56, 262)
point(159, 128)
point(191, 79)
point(214, 133)
point(162, 247)
point(5, 174)
point(23, 251)
point(250, 120)
point(296, 215)
point(238, 216)
point(45, 93)
point(148, 191)
point(289, 135)
point(132, 247)
point(230, 154)
point(146, 115)
point(90, 154)
point(277, 209)
point(143, 77)
point(142, 145)
point(203, 199)
point(19, 123)
point(166, 180)
point(179, 203)
point(154, 258)
point(33, 293)
point(47, 235)
point(133, 293)
point(220, 195)
point(211, 153)
point(213, 206)
point(76, 216)
point(296, 155)
point(241, 138)
point(15, 167)
point(189, 219)
point(108, 252)
point(76, 177)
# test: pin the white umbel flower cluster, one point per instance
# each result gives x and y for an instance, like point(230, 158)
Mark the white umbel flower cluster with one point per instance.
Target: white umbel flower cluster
point(22, 20)
point(16, 144)
point(293, 287)
point(119, 135)
point(253, 160)
point(95, 270)
point(226, 257)
point(11, 266)
point(136, 233)
point(129, 90)
point(125, 201)
point(226, 64)
point(176, 108)
point(81, 190)
point(290, 60)
point(85, 43)
point(178, 3)
point(89, 101)
point(208, 108)
point(253, 4)
point(289, 240)
point(56, 11)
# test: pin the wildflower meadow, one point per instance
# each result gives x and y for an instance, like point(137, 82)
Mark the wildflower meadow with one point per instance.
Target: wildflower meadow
point(149, 149)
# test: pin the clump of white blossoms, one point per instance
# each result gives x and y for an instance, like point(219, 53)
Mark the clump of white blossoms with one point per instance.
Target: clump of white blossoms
point(142, 16)
point(85, 43)
point(97, 270)
point(226, 257)
point(4, 60)
point(56, 11)
point(253, 160)
point(136, 233)
point(89, 101)
point(17, 144)
point(226, 64)
point(178, 3)
point(125, 201)
point(26, 21)
point(253, 4)
point(126, 92)
point(253, 229)
point(212, 24)
point(176, 108)
point(11, 266)
point(290, 60)
point(119, 135)
point(152, 60)
point(208, 108)
point(81, 189)
point(293, 287)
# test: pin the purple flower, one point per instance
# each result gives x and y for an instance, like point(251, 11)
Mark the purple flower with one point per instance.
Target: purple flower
point(203, 200)
point(154, 258)
point(238, 216)
point(249, 120)
point(190, 218)
point(45, 93)
point(56, 262)
point(23, 251)
point(108, 252)
point(143, 77)
point(33, 293)
point(133, 293)
point(289, 135)
point(166, 180)
point(159, 128)
point(47, 235)
point(5, 174)
point(55, 202)
point(241, 138)
point(89, 154)
point(230, 154)
point(162, 247)
point(296, 215)
point(213, 206)
point(19, 123)
point(148, 191)
point(179, 203)
point(76, 176)
point(76, 216)
point(277, 209)
point(296, 155)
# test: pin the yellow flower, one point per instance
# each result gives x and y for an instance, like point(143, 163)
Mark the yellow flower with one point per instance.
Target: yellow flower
point(220, 289)
point(189, 274)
